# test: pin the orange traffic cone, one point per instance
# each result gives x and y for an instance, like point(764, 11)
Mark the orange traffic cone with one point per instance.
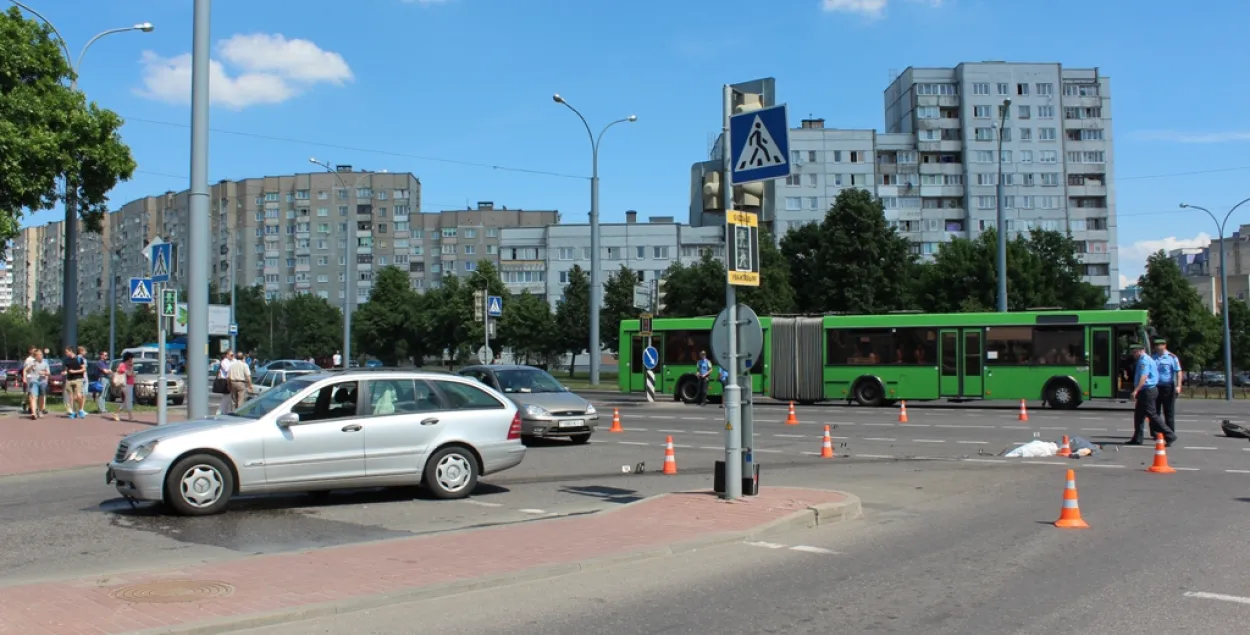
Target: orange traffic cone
point(1024, 411)
point(616, 421)
point(792, 420)
point(826, 446)
point(902, 412)
point(1161, 458)
point(1070, 515)
point(670, 457)
point(1066, 448)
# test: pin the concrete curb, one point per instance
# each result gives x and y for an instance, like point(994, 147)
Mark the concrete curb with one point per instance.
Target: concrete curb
point(814, 516)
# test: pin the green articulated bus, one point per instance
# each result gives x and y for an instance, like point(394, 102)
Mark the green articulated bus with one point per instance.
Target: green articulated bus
point(1061, 357)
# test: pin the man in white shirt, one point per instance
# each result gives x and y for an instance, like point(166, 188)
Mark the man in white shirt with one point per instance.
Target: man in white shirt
point(240, 377)
point(225, 404)
point(338, 359)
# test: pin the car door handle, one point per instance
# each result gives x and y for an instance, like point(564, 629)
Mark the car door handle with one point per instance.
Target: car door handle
point(429, 422)
point(352, 428)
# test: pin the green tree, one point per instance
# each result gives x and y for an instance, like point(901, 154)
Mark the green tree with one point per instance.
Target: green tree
point(1043, 270)
point(312, 326)
point(49, 131)
point(140, 327)
point(853, 261)
point(573, 316)
point(528, 323)
point(1177, 313)
point(93, 332)
point(484, 278)
point(618, 304)
point(695, 289)
point(1239, 330)
point(252, 313)
point(774, 295)
point(445, 317)
point(16, 333)
point(383, 326)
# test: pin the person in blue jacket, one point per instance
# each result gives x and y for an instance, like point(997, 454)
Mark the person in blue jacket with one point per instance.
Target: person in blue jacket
point(1146, 398)
point(1169, 381)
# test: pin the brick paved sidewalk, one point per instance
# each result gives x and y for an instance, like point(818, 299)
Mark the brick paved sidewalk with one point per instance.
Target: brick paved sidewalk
point(241, 590)
point(57, 442)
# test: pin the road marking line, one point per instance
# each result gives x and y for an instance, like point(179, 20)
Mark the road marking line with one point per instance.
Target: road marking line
point(915, 425)
point(1052, 428)
point(870, 456)
point(766, 545)
point(1197, 447)
point(671, 431)
point(1187, 469)
point(973, 442)
point(1048, 462)
point(811, 453)
point(881, 425)
point(536, 512)
point(791, 436)
point(807, 549)
point(1090, 418)
point(955, 425)
point(679, 445)
point(928, 440)
point(632, 443)
point(711, 447)
point(1238, 471)
point(1203, 595)
point(762, 450)
point(480, 503)
point(972, 415)
point(1093, 429)
point(1245, 449)
point(1102, 465)
point(986, 460)
point(837, 438)
point(693, 418)
point(704, 432)
point(878, 439)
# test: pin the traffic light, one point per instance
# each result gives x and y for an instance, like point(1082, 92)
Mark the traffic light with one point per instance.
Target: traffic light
point(169, 303)
point(713, 200)
point(750, 194)
point(659, 296)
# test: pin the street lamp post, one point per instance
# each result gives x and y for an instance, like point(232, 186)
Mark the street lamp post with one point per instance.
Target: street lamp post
point(69, 280)
point(1001, 221)
point(1220, 225)
point(349, 278)
point(595, 285)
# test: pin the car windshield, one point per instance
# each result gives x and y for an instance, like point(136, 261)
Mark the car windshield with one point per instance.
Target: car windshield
point(56, 368)
point(527, 380)
point(146, 368)
point(272, 398)
point(304, 366)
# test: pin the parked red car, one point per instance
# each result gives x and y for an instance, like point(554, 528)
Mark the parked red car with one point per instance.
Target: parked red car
point(11, 377)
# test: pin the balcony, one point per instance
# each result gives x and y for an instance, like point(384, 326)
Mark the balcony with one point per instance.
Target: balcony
point(951, 145)
point(305, 268)
point(942, 191)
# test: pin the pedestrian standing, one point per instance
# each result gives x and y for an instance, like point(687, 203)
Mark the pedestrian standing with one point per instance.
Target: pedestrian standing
point(724, 382)
point(240, 376)
point(35, 375)
point(1169, 381)
point(1146, 396)
point(101, 383)
point(126, 379)
point(338, 359)
point(704, 374)
point(75, 382)
point(221, 384)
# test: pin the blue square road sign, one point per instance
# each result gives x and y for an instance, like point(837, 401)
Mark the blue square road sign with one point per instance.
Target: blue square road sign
point(759, 144)
point(141, 291)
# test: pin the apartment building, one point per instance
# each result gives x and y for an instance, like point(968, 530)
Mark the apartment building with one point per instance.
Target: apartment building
point(6, 280)
point(539, 259)
point(1201, 267)
point(1053, 125)
point(288, 234)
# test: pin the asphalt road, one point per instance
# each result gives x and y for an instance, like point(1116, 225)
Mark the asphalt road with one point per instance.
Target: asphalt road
point(943, 548)
point(70, 523)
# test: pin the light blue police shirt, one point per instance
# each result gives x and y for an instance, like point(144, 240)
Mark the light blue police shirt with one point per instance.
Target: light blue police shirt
point(1147, 368)
point(1169, 367)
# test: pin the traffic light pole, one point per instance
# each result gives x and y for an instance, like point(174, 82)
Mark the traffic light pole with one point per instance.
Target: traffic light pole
point(162, 413)
point(732, 396)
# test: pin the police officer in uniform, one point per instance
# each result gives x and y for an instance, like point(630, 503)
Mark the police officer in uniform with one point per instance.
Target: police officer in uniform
point(704, 374)
point(1169, 381)
point(1146, 396)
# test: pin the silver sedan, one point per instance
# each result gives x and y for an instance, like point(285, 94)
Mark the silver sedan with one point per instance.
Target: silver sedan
point(322, 432)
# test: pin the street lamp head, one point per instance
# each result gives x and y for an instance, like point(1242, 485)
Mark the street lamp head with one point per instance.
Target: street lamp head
point(146, 27)
point(1007, 101)
point(632, 118)
point(314, 160)
point(557, 98)
point(1184, 205)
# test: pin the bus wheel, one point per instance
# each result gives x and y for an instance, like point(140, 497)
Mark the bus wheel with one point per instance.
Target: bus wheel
point(1062, 395)
point(688, 391)
point(869, 393)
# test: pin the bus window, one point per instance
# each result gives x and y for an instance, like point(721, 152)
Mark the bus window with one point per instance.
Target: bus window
point(1008, 345)
point(683, 347)
point(871, 347)
point(1059, 345)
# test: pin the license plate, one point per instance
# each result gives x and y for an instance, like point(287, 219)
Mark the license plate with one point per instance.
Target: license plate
point(108, 477)
point(573, 423)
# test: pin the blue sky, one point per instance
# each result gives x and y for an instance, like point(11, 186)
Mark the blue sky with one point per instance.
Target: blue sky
point(459, 91)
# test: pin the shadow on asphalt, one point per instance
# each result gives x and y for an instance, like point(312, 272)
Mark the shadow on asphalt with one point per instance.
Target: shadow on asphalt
point(604, 493)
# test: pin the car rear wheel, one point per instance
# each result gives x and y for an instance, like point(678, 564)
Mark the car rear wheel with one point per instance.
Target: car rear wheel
point(451, 473)
point(199, 485)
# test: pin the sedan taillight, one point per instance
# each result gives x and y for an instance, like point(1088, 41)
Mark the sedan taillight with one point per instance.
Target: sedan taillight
point(514, 431)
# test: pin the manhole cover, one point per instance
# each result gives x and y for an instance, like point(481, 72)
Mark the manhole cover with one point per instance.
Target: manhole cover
point(173, 591)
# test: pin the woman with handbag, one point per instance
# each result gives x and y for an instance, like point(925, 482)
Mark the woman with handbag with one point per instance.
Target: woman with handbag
point(221, 384)
point(124, 380)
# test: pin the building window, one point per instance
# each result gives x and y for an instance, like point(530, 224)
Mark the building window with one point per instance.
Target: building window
point(659, 253)
point(981, 89)
point(1002, 88)
point(566, 253)
point(794, 204)
point(981, 112)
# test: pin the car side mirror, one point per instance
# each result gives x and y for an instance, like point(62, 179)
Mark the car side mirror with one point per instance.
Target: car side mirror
point(287, 420)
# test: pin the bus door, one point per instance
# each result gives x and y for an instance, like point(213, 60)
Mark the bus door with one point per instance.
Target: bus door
point(1102, 368)
point(960, 354)
point(638, 370)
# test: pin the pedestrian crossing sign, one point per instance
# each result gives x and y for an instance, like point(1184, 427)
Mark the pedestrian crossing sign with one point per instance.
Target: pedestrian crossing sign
point(141, 291)
point(162, 261)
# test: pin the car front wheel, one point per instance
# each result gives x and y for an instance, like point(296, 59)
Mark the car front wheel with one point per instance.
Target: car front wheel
point(199, 485)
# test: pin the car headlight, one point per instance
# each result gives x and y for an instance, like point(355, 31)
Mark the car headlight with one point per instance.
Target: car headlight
point(590, 409)
point(142, 452)
point(536, 411)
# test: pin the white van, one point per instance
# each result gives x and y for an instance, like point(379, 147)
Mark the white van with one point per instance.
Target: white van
point(143, 352)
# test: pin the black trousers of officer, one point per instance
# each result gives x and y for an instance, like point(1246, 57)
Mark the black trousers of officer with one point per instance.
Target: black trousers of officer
point(702, 398)
point(1145, 410)
point(1166, 405)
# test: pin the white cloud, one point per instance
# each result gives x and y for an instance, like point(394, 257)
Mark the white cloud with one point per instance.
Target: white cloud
point(871, 9)
point(1176, 136)
point(1133, 257)
point(267, 69)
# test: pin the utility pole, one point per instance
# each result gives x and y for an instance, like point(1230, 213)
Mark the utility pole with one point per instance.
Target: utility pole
point(198, 252)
